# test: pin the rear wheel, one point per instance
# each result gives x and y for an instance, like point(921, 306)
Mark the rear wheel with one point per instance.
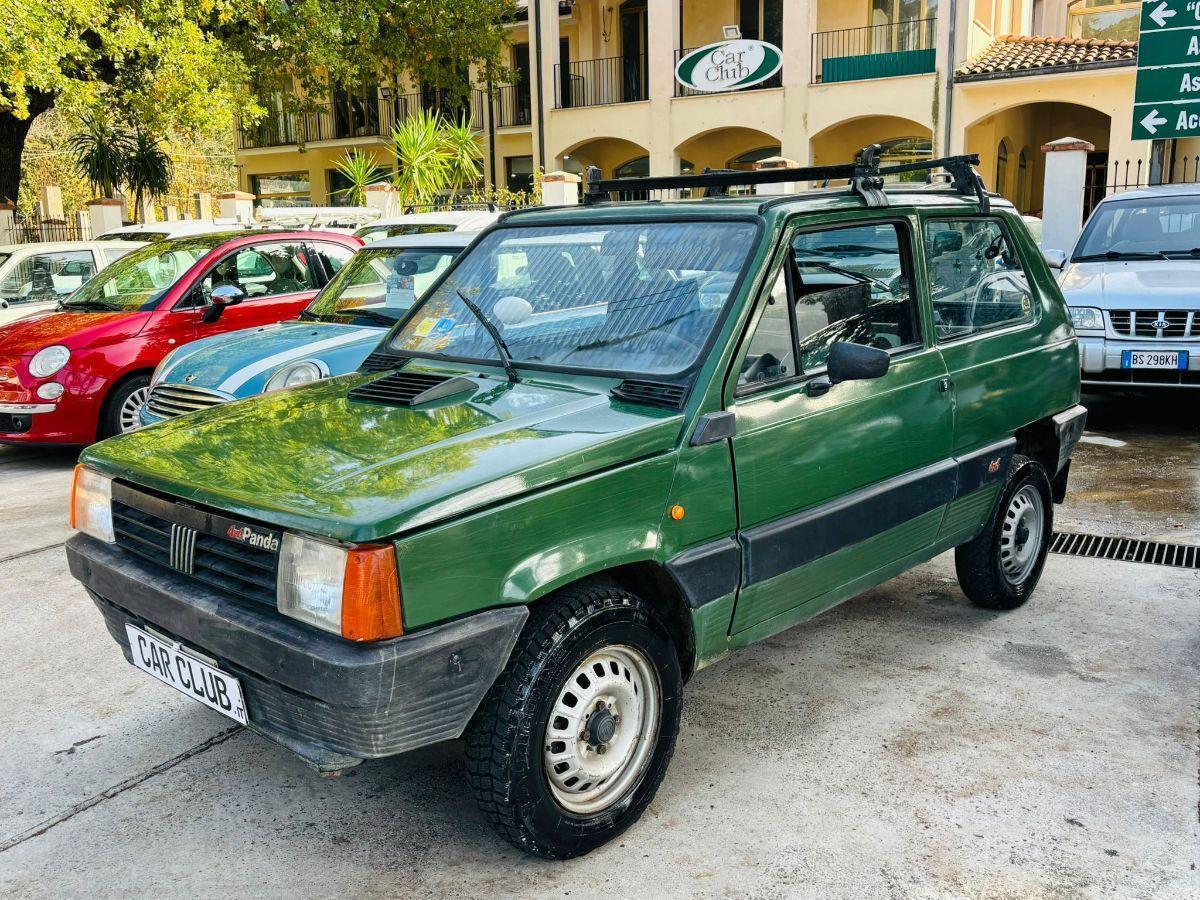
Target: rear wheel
point(123, 407)
point(574, 739)
point(1000, 568)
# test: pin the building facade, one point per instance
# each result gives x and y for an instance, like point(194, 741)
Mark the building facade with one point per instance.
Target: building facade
point(596, 86)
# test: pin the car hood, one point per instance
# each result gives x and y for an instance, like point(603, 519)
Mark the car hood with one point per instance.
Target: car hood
point(311, 459)
point(240, 363)
point(74, 330)
point(1133, 284)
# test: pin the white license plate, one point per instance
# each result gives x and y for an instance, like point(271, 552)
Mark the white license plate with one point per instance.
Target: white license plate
point(1153, 359)
point(188, 675)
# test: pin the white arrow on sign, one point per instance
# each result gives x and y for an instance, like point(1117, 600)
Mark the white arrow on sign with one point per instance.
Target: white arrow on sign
point(1161, 13)
point(1152, 121)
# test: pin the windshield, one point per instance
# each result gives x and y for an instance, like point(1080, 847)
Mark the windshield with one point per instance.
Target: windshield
point(619, 296)
point(371, 233)
point(139, 279)
point(381, 285)
point(1137, 229)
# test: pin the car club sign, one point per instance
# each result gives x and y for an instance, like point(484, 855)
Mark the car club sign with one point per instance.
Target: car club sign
point(728, 65)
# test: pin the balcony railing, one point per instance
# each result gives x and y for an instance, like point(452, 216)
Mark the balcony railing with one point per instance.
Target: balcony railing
point(511, 105)
point(876, 51)
point(600, 82)
point(351, 117)
point(774, 81)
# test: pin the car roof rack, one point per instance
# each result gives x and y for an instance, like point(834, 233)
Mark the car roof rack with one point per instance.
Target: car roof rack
point(865, 177)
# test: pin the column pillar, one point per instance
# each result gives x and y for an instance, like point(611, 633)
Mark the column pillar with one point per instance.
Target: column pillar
point(237, 205)
point(1062, 193)
point(662, 40)
point(8, 224)
point(560, 189)
point(383, 197)
point(105, 215)
point(546, 45)
point(799, 22)
point(202, 206)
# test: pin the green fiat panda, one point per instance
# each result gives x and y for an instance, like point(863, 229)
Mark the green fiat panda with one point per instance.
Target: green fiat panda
point(612, 445)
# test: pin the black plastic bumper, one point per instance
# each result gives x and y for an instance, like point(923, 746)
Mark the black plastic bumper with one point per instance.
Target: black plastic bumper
point(331, 701)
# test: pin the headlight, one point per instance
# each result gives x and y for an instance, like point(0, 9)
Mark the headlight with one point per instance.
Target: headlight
point(48, 361)
point(1087, 318)
point(351, 591)
point(290, 376)
point(91, 504)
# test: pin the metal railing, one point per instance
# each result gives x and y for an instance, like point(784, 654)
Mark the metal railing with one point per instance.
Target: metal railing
point(347, 117)
point(32, 229)
point(874, 51)
point(774, 81)
point(600, 82)
point(1103, 176)
point(511, 105)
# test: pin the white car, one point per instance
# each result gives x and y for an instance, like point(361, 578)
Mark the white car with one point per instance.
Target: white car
point(37, 276)
point(1133, 288)
point(160, 231)
point(427, 223)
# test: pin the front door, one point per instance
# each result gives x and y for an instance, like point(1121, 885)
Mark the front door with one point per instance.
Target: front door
point(633, 50)
point(276, 279)
point(835, 483)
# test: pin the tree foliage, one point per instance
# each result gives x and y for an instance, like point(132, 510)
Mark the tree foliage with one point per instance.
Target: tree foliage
point(188, 64)
point(359, 170)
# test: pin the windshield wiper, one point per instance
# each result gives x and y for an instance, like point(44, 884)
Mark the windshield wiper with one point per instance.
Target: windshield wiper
point(1195, 251)
point(493, 332)
point(371, 314)
point(93, 303)
point(1121, 254)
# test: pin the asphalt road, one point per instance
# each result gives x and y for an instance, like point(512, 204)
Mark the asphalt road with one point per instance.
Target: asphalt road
point(903, 745)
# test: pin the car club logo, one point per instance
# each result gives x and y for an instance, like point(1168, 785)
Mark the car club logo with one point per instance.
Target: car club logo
point(244, 534)
point(728, 65)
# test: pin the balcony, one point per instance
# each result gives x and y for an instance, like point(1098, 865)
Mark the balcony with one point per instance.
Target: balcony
point(511, 106)
point(875, 51)
point(774, 81)
point(355, 117)
point(600, 82)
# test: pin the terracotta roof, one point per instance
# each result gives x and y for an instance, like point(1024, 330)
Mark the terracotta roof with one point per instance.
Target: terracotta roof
point(1011, 55)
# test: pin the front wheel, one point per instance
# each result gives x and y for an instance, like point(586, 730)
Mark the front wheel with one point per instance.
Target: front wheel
point(573, 741)
point(122, 409)
point(1000, 568)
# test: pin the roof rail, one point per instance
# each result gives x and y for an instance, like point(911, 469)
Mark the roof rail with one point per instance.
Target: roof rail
point(865, 176)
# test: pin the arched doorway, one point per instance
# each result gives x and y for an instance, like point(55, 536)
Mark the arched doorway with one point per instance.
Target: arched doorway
point(727, 148)
point(606, 153)
point(902, 141)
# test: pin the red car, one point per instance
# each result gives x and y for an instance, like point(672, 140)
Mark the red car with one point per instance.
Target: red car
point(82, 372)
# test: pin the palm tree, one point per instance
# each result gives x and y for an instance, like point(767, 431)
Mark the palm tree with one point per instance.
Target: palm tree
point(359, 170)
point(463, 153)
point(148, 168)
point(101, 150)
point(422, 165)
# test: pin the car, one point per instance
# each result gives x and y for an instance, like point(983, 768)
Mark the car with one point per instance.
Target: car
point(37, 276)
point(82, 371)
point(428, 223)
point(1131, 287)
point(332, 336)
point(610, 446)
point(160, 231)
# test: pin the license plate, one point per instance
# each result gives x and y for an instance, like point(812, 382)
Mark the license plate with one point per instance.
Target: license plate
point(1154, 359)
point(188, 675)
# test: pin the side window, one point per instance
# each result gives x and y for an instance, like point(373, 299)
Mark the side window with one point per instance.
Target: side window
point(770, 355)
point(976, 277)
point(334, 256)
point(265, 270)
point(855, 285)
point(48, 276)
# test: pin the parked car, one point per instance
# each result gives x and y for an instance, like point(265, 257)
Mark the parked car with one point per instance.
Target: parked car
point(332, 336)
point(428, 223)
point(37, 276)
point(83, 371)
point(1131, 285)
point(608, 447)
point(160, 231)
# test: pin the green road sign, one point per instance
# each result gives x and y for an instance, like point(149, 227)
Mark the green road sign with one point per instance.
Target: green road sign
point(1159, 14)
point(1167, 95)
point(1152, 121)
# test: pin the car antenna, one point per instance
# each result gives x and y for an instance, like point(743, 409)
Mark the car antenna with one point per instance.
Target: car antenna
point(493, 332)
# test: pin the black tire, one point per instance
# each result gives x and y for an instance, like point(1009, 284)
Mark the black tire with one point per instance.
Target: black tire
point(507, 739)
point(981, 563)
point(110, 416)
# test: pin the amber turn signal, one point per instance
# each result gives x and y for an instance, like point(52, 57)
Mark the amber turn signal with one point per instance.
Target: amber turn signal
point(677, 512)
point(371, 595)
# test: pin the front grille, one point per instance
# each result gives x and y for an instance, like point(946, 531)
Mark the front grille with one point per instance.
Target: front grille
point(12, 424)
point(224, 565)
point(1169, 324)
point(170, 400)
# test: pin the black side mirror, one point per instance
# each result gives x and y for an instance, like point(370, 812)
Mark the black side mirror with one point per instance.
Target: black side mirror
point(856, 362)
point(222, 296)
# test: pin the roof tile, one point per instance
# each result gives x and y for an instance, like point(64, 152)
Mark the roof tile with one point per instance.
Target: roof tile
point(1017, 54)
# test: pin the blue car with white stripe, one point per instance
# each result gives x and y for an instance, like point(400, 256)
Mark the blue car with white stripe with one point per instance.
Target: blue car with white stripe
point(342, 325)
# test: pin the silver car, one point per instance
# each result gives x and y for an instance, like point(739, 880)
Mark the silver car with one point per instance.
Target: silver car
point(1133, 287)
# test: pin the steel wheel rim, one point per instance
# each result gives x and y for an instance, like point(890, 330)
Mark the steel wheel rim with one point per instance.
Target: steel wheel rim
point(615, 687)
point(129, 419)
point(1021, 534)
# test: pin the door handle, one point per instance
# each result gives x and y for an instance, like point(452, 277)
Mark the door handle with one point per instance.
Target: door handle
point(944, 384)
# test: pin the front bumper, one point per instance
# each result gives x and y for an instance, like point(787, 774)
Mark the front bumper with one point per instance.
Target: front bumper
point(1100, 363)
point(69, 420)
point(331, 701)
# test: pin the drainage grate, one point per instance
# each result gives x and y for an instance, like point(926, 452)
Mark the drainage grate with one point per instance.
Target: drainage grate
point(1157, 553)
